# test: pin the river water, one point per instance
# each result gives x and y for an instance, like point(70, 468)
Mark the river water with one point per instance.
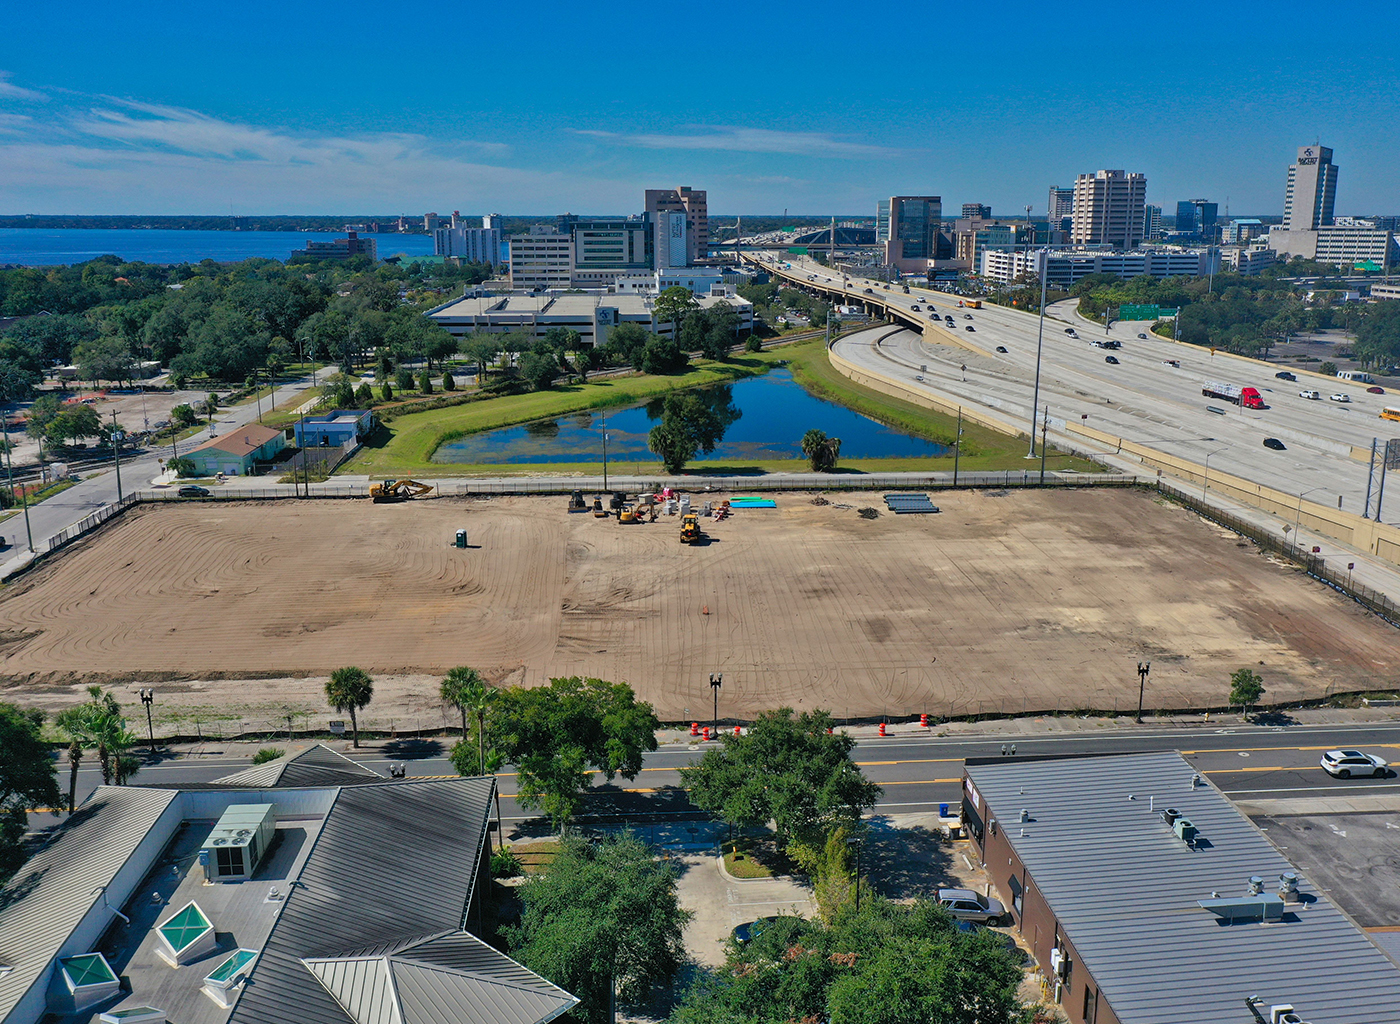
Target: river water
point(36, 247)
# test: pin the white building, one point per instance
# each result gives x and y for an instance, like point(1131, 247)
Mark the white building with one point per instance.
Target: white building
point(699, 280)
point(1247, 260)
point(1108, 209)
point(1067, 266)
point(1311, 190)
point(478, 245)
point(1385, 290)
point(591, 315)
point(672, 245)
point(540, 260)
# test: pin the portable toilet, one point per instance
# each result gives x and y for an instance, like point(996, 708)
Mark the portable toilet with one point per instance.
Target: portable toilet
point(461, 538)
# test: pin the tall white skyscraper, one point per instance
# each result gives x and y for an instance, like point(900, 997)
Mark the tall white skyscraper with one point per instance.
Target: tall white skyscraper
point(1312, 189)
point(1108, 209)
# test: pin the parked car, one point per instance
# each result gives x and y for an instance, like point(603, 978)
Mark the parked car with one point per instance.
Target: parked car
point(1313, 395)
point(750, 931)
point(1001, 348)
point(1172, 362)
point(1275, 444)
point(1111, 359)
point(1345, 763)
point(193, 491)
point(966, 905)
point(1285, 375)
point(1375, 391)
point(1341, 398)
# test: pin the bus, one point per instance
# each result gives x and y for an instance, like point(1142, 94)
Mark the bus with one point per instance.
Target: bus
point(1356, 376)
point(1390, 413)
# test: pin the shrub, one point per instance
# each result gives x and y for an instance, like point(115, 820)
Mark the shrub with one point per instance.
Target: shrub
point(266, 754)
point(182, 466)
point(387, 392)
point(404, 379)
point(448, 384)
point(425, 383)
point(1328, 369)
point(364, 395)
point(753, 344)
point(505, 864)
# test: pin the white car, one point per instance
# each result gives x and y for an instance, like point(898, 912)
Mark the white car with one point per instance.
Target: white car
point(966, 905)
point(1341, 398)
point(1314, 395)
point(1343, 764)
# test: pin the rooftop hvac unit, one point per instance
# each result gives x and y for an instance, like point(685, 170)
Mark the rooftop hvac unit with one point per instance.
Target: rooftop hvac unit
point(238, 842)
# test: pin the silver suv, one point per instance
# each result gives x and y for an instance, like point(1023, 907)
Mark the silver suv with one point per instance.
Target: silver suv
point(966, 905)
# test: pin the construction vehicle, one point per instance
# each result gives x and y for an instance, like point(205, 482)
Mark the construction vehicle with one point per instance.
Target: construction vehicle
point(576, 503)
point(398, 490)
point(599, 512)
point(690, 528)
point(627, 514)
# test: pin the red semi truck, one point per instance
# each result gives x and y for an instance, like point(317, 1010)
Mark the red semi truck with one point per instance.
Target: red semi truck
point(1234, 393)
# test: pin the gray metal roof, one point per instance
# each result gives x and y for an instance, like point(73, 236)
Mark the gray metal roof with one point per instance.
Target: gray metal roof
point(1124, 889)
point(449, 979)
point(394, 864)
point(54, 890)
point(318, 765)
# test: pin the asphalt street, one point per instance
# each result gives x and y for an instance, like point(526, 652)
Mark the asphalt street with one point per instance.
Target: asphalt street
point(917, 772)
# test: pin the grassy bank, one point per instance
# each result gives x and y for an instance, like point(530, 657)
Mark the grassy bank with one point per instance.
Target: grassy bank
point(983, 448)
point(407, 445)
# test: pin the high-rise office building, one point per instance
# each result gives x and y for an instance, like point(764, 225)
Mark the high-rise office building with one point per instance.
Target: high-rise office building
point(1186, 216)
point(1311, 191)
point(1061, 206)
point(478, 245)
point(604, 247)
point(976, 211)
point(671, 245)
point(1108, 209)
point(911, 237)
point(691, 202)
point(1151, 222)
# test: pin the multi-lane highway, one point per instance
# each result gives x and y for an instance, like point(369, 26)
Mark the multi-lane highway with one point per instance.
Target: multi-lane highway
point(917, 771)
point(1142, 397)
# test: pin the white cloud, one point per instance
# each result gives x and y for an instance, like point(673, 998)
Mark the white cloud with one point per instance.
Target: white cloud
point(10, 91)
point(750, 140)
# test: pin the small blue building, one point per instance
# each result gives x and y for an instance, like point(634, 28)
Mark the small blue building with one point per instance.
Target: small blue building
point(333, 429)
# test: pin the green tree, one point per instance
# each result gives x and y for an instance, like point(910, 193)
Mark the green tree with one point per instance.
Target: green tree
point(364, 396)
point(448, 384)
point(822, 452)
point(404, 379)
point(182, 466)
point(27, 780)
point(386, 392)
point(1246, 687)
point(691, 423)
point(627, 342)
point(663, 355)
point(789, 770)
point(104, 358)
point(603, 919)
point(672, 305)
point(554, 734)
point(465, 690)
point(72, 424)
point(425, 383)
point(348, 690)
point(539, 367)
point(183, 415)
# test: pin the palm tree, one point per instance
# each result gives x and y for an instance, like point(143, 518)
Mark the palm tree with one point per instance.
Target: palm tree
point(465, 688)
point(73, 721)
point(348, 690)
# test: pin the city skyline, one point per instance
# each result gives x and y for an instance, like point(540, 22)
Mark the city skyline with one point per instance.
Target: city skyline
point(285, 111)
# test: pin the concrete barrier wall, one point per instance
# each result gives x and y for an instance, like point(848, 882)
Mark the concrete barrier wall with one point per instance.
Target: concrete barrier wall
point(1377, 538)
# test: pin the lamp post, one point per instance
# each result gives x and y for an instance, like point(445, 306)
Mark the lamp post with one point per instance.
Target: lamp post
point(1298, 514)
point(148, 697)
point(716, 681)
point(605, 451)
point(1039, 344)
point(855, 844)
point(1144, 667)
point(10, 476)
point(1205, 479)
point(116, 458)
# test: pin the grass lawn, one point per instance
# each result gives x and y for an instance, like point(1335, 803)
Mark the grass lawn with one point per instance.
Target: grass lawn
point(536, 857)
point(741, 864)
point(406, 447)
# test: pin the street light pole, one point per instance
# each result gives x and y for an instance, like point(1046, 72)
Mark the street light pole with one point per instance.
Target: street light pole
point(10, 478)
point(716, 681)
point(1144, 667)
point(1039, 343)
point(148, 697)
point(1205, 479)
point(116, 457)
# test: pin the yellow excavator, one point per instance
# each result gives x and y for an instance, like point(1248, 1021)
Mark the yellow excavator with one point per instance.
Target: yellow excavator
point(690, 528)
point(398, 490)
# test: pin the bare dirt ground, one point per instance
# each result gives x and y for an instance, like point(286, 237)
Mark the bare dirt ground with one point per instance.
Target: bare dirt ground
point(1004, 602)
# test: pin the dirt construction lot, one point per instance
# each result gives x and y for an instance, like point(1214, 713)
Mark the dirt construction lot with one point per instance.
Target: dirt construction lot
point(1004, 602)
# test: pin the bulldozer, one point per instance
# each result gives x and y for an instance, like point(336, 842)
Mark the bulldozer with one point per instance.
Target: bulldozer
point(690, 528)
point(398, 490)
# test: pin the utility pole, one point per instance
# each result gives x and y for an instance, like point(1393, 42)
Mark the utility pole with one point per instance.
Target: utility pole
point(1039, 344)
point(1144, 667)
point(605, 451)
point(148, 697)
point(116, 458)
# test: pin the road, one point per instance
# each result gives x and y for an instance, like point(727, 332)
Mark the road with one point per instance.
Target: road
point(1142, 398)
point(99, 488)
point(918, 772)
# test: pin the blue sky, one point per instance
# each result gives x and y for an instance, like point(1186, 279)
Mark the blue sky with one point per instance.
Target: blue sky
point(815, 108)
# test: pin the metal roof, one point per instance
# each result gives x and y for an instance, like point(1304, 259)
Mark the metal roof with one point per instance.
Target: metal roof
point(394, 863)
point(1125, 889)
point(318, 765)
point(56, 888)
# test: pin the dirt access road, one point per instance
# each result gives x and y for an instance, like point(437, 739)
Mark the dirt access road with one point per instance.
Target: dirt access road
point(1034, 600)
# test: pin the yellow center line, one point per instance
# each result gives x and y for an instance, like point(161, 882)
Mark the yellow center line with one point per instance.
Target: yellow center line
point(924, 760)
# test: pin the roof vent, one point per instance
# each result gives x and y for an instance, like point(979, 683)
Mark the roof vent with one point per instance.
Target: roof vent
point(1288, 886)
point(1256, 885)
point(1170, 815)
